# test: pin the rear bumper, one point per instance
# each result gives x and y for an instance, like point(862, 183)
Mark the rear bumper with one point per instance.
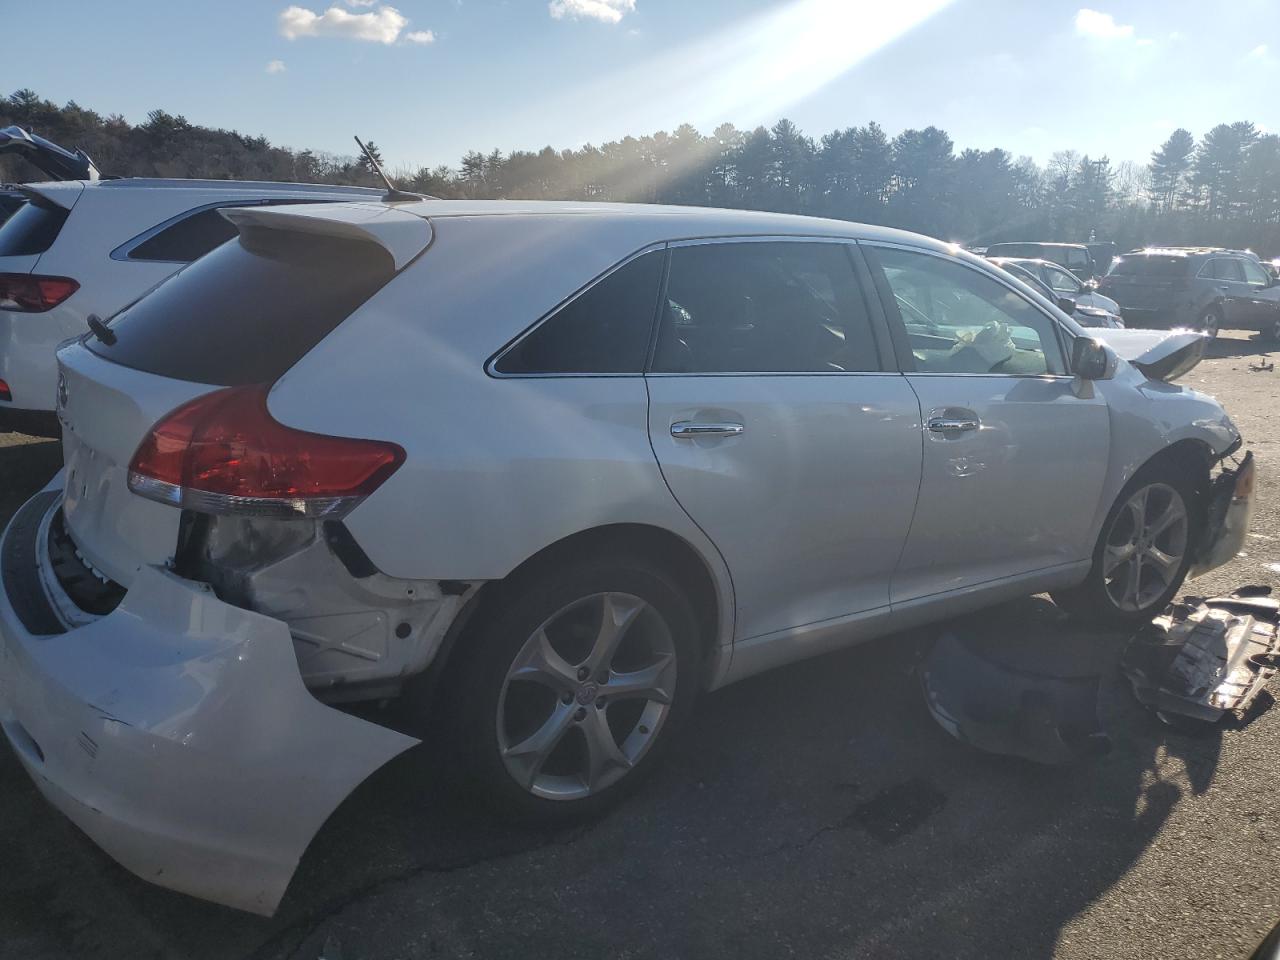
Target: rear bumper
point(177, 733)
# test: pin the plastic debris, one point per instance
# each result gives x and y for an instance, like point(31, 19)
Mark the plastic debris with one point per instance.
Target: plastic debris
point(1205, 659)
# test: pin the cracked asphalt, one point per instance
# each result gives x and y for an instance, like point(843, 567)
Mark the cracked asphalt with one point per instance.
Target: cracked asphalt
point(816, 811)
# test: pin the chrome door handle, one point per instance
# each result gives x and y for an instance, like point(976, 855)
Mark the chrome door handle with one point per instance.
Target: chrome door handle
point(689, 430)
point(950, 425)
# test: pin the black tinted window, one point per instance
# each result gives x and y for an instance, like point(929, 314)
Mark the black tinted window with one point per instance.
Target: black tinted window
point(188, 239)
point(1148, 265)
point(605, 329)
point(249, 310)
point(764, 308)
point(1225, 269)
point(31, 230)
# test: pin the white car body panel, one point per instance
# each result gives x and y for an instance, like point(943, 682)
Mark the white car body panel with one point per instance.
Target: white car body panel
point(105, 215)
point(820, 494)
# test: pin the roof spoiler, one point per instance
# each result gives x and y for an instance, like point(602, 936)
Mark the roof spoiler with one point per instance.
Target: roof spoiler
point(403, 235)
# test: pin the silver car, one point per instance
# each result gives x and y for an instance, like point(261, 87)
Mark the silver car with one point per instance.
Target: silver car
point(544, 473)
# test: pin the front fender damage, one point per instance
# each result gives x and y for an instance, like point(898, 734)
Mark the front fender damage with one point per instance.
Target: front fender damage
point(178, 734)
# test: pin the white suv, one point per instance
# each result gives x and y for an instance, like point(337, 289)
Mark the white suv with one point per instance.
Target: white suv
point(544, 472)
point(89, 247)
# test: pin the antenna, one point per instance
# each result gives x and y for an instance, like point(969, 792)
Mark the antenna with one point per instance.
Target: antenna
point(392, 195)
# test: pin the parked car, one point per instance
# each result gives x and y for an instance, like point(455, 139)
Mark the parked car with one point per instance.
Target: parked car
point(1204, 288)
point(1074, 256)
point(544, 472)
point(1090, 308)
point(82, 248)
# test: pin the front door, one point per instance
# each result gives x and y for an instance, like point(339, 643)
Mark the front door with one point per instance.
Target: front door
point(779, 429)
point(1014, 461)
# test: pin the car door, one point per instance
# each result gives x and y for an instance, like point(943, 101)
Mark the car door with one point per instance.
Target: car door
point(1264, 297)
point(780, 427)
point(1014, 459)
point(1234, 293)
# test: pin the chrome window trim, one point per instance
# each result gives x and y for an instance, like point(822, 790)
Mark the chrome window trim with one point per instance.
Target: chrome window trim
point(1063, 334)
point(490, 365)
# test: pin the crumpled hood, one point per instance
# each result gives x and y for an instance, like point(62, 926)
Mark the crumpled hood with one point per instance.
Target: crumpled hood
point(1159, 354)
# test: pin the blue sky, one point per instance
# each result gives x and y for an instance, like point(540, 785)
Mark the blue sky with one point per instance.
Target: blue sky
point(429, 79)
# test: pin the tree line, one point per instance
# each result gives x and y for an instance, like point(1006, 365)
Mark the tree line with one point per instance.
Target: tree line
point(1222, 189)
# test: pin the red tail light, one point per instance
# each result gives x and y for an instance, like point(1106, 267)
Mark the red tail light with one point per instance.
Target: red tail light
point(223, 453)
point(27, 293)
point(5, 393)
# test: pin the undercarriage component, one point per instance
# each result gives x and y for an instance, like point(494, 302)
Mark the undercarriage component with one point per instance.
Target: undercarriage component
point(1205, 659)
point(1018, 681)
point(357, 632)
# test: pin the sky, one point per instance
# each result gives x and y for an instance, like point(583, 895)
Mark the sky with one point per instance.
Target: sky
point(428, 80)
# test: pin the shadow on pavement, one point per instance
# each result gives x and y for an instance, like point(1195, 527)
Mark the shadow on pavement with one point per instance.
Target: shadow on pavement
point(1253, 346)
point(817, 811)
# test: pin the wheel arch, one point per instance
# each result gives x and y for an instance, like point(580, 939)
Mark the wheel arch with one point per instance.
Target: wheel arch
point(1192, 456)
point(710, 594)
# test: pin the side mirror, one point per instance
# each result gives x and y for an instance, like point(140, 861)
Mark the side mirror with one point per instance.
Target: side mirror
point(1066, 305)
point(1089, 359)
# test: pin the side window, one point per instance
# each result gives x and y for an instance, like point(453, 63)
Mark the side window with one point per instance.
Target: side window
point(188, 239)
point(605, 329)
point(784, 307)
point(1254, 274)
point(1063, 282)
point(959, 320)
point(1077, 259)
point(1230, 270)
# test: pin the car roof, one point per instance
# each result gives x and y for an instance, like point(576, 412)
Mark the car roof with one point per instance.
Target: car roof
point(1040, 243)
point(231, 187)
point(693, 221)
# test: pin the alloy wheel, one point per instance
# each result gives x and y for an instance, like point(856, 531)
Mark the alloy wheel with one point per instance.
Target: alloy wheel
point(1145, 547)
point(586, 696)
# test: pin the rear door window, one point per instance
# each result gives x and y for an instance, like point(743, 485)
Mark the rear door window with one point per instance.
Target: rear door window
point(249, 310)
point(32, 229)
point(605, 329)
point(1254, 274)
point(1062, 281)
point(764, 307)
point(1224, 268)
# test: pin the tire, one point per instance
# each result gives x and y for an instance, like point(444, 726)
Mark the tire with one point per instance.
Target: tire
point(1110, 596)
point(548, 724)
point(1210, 321)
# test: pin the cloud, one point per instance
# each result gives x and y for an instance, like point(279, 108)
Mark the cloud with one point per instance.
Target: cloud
point(606, 11)
point(276, 66)
point(1092, 23)
point(420, 36)
point(377, 26)
point(1259, 52)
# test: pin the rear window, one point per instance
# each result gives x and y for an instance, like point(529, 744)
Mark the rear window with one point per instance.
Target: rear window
point(249, 310)
point(1029, 250)
point(188, 239)
point(1148, 265)
point(32, 229)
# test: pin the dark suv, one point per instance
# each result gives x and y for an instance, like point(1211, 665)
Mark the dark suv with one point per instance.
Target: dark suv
point(1206, 288)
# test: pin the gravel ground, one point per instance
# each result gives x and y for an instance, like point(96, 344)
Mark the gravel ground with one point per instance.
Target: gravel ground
point(816, 811)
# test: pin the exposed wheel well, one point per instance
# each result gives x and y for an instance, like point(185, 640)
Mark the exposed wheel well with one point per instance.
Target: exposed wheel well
point(1194, 458)
point(652, 543)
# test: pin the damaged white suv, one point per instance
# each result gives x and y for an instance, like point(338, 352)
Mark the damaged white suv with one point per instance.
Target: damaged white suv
point(555, 469)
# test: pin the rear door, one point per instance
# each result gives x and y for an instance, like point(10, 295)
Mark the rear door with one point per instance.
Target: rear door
point(781, 428)
point(1227, 274)
point(1014, 461)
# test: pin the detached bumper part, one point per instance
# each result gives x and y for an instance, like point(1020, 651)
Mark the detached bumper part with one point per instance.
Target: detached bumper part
point(1206, 659)
point(177, 733)
point(1228, 516)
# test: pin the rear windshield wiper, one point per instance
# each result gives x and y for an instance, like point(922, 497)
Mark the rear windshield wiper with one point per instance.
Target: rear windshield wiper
point(101, 330)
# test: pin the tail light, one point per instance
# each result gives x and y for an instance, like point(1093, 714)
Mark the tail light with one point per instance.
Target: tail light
point(27, 293)
point(5, 392)
point(223, 453)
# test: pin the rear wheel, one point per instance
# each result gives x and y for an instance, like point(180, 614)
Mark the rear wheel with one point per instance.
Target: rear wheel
point(1143, 552)
point(1210, 321)
point(573, 687)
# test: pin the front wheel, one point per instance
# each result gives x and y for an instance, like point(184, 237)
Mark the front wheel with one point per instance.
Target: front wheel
point(1142, 554)
point(574, 685)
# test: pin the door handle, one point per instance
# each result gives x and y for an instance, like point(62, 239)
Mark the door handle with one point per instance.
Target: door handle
point(953, 424)
point(689, 430)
